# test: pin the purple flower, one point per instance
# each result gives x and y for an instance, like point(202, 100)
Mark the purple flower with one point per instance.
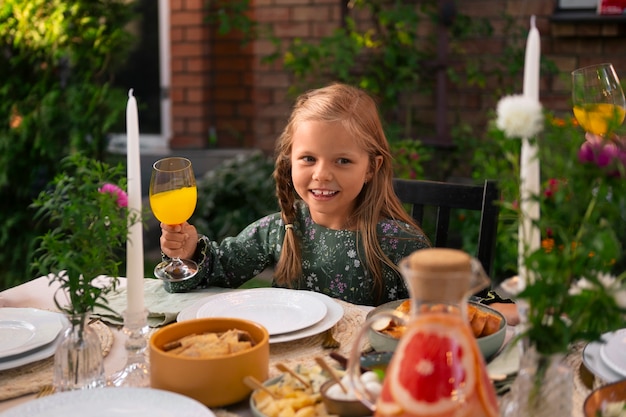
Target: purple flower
point(119, 194)
point(603, 152)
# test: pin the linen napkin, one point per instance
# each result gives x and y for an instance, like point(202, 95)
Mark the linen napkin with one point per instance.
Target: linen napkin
point(163, 307)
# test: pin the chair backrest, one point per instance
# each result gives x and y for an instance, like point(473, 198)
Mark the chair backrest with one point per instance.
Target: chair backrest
point(445, 196)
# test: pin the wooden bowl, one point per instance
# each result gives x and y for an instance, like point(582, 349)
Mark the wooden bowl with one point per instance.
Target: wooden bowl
point(216, 381)
point(598, 398)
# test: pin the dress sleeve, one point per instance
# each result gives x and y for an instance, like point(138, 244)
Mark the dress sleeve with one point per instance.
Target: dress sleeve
point(488, 296)
point(398, 241)
point(236, 259)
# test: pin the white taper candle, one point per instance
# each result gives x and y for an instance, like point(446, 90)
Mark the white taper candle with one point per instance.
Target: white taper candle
point(529, 235)
point(134, 245)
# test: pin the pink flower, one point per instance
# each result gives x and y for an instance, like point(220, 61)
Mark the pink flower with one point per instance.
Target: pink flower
point(553, 186)
point(603, 152)
point(119, 194)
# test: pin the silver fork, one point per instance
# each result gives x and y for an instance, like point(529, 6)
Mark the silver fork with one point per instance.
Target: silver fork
point(45, 390)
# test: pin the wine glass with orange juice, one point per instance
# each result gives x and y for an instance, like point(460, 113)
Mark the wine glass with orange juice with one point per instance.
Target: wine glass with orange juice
point(598, 98)
point(173, 196)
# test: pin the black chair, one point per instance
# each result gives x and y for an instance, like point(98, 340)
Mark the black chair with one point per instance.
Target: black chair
point(444, 196)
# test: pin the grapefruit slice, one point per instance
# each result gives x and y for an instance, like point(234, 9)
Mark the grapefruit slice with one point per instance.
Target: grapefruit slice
point(435, 369)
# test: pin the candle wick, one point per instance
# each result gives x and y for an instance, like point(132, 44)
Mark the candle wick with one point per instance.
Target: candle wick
point(130, 92)
point(532, 21)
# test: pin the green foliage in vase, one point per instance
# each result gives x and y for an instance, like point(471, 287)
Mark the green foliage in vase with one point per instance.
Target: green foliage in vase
point(85, 210)
point(576, 284)
point(234, 194)
point(56, 97)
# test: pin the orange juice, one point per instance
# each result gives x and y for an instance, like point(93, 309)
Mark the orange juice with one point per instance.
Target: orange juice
point(174, 206)
point(599, 118)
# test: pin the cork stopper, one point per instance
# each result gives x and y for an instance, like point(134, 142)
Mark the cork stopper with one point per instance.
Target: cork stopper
point(438, 274)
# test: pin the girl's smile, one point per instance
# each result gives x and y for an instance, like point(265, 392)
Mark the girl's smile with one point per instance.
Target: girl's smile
point(329, 170)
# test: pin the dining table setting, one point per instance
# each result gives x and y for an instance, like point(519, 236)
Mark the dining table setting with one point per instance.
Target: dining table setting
point(27, 367)
point(31, 324)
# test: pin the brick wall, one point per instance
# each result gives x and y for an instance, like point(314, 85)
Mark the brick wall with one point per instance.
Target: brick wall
point(220, 86)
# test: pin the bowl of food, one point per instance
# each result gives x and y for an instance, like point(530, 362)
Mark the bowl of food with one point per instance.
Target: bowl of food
point(488, 326)
point(346, 403)
point(607, 401)
point(286, 394)
point(207, 359)
point(308, 391)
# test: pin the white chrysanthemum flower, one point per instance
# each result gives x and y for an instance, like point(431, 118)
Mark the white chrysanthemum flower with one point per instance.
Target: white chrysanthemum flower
point(580, 285)
point(519, 116)
point(610, 284)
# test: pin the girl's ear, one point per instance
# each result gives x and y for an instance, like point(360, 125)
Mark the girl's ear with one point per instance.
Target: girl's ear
point(375, 166)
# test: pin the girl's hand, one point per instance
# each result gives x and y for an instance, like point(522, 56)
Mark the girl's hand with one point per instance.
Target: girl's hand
point(509, 311)
point(178, 241)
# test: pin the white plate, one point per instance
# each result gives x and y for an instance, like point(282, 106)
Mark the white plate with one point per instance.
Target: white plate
point(613, 352)
point(34, 355)
point(333, 315)
point(506, 361)
point(279, 310)
point(593, 362)
point(25, 329)
point(110, 402)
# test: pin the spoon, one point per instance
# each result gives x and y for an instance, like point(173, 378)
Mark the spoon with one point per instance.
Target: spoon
point(325, 366)
point(283, 368)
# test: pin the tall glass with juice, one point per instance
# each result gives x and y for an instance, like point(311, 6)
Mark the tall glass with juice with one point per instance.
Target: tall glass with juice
point(437, 368)
point(598, 99)
point(175, 206)
point(173, 197)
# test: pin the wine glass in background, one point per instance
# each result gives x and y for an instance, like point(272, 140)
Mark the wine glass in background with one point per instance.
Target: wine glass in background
point(598, 98)
point(173, 197)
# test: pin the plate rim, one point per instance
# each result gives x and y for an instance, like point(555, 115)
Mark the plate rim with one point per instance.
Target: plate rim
point(318, 327)
point(317, 315)
point(334, 313)
point(38, 405)
point(38, 354)
point(619, 369)
point(37, 318)
point(593, 362)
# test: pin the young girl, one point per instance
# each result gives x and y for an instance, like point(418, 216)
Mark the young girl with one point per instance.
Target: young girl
point(340, 231)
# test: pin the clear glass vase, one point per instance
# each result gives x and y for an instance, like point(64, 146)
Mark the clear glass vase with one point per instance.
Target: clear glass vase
point(544, 387)
point(78, 360)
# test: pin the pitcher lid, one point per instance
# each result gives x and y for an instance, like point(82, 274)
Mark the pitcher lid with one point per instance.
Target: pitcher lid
point(439, 274)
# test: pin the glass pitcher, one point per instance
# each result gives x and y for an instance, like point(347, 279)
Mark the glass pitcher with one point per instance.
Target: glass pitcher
point(437, 368)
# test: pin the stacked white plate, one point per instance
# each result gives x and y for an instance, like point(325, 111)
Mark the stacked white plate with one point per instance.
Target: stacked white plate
point(28, 335)
point(286, 314)
point(607, 358)
point(109, 402)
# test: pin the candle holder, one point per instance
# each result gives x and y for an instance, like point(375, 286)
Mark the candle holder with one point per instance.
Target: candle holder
point(136, 373)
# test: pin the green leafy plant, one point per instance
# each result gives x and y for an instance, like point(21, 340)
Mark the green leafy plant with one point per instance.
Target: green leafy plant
point(576, 289)
point(409, 157)
point(234, 194)
point(85, 207)
point(57, 64)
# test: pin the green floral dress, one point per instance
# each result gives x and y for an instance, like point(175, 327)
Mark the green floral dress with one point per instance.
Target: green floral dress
point(331, 259)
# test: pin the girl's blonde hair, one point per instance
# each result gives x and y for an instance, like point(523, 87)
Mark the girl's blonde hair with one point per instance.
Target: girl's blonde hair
point(358, 114)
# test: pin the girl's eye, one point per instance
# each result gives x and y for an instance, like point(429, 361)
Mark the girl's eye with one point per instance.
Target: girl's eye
point(308, 159)
point(343, 161)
